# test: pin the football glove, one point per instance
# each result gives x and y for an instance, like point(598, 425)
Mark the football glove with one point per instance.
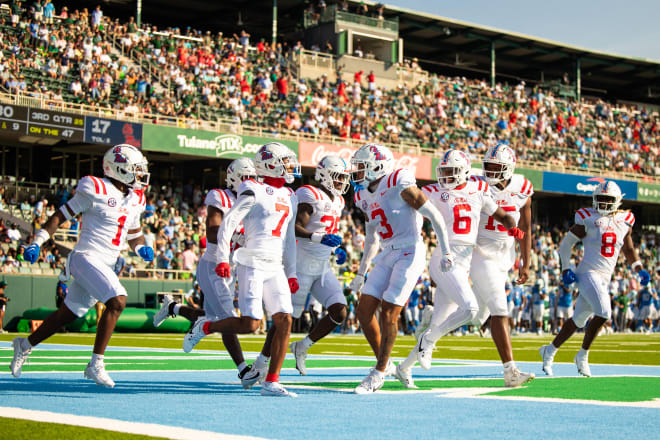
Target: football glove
point(223, 270)
point(31, 253)
point(293, 285)
point(568, 277)
point(357, 283)
point(331, 240)
point(341, 256)
point(447, 262)
point(644, 277)
point(516, 233)
point(146, 252)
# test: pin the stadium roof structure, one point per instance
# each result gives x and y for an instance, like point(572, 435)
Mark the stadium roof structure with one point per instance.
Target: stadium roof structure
point(441, 45)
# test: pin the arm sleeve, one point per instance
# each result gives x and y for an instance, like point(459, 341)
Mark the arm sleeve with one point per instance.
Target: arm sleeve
point(565, 249)
point(230, 222)
point(431, 212)
point(290, 246)
point(489, 206)
point(371, 245)
point(80, 202)
point(403, 179)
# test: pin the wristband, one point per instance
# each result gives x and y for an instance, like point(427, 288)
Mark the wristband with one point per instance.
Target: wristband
point(134, 236)
point(316, 237)
point(636, 264)
point(41, 237)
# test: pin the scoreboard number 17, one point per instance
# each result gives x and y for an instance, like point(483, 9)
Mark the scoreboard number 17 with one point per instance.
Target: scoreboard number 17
point(100, 126)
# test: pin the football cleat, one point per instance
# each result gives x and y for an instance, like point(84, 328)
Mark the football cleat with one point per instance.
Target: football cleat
point(424, 353)
point(97, 373)
point(275, 389)
point(249, 376)
point(582, 362)
point(195, 334)
point(20, 356)
point(370, 384)
point(390, 369)
point(164, 311)
point(427, 314)
point(513, 377)
point(547, 359)
point(300, 354)
point(405, 377)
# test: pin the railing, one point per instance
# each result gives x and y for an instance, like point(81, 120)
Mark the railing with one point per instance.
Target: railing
point(332, 14)
point(64, 234)
point(234, 126)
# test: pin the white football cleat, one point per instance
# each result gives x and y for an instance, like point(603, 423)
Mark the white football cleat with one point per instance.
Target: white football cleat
point(20, 356)
point(164, 311)
point(370, 384)
point(582, 362)
point(424, 353)
point(97, 373)
point(513, 377)
point(300, 354)
point(427, 314)
point(195, 334)
point(275, 389)
point(405, 377)
point(390, 369)
point(547, 359)
point(249, 376)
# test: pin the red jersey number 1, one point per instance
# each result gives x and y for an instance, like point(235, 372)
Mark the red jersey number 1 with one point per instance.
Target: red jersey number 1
point(122, 221)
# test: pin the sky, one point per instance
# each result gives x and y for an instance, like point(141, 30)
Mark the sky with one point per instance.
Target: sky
point(623, 27)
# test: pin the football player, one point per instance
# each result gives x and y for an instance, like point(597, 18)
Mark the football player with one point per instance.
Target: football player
point(266, 265)
point(604, 231)
point(495, 253)
point(111, 207)
point(461, 203)
point(317, 223)
point(393, 206)
point(218, 292)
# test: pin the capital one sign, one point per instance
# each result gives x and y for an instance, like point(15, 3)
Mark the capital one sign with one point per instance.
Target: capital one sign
point(311, 153)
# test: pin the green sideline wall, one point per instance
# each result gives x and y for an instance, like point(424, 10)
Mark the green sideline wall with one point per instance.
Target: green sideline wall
point(32, 291)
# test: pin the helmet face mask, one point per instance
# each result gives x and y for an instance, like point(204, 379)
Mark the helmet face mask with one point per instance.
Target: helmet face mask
point(499, 164)
point(126, 164)
point(238, 171)
point(607, 197)
point(369, 163)
point(454, 169)
point(332, 174)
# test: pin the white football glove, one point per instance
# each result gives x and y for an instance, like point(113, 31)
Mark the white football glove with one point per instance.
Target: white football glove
point(357, 283)
point(447, 262)
point(238, 238)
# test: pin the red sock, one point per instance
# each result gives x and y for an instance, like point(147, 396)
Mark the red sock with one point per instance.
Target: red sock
point(205, 328)
point(272, 377)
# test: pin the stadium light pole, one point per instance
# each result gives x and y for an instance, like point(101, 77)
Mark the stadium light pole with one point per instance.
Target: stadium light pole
point(492, 64)
point(274, 38)
point(138, 14)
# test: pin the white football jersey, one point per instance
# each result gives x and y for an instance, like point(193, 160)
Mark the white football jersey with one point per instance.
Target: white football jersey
point(399, 224)
point(266, 224)
point(461, 209)
point(107, 215)
point(223, 200)
point(511, 199)
point(604, 239)
point(325, 217)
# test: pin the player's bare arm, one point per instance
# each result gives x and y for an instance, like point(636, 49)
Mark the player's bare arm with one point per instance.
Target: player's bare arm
point(525, 224)
point(502, 217)
point(414, 197)
point(213, 221)
point(303, 216)
point(630, 252)
point(56, 220)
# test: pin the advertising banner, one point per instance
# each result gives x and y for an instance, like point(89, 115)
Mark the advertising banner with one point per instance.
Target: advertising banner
point(583, 185)
point(648, 192)
point(204, 143)
point(312, 152)
point(112, 132)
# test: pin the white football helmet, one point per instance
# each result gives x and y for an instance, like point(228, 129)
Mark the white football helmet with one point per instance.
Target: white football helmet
point(239, 170)
point(331, 172)
point(375, 160)
point(453, 170)
point(607, 197)
point(128, 165)
point(277, 160)
point(505, 157)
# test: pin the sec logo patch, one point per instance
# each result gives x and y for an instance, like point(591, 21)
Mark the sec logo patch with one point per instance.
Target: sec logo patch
point(112, 202)
point(269, 190)
point(444, 196)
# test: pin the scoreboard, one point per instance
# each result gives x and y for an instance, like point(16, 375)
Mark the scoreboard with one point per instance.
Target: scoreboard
point(24, 121)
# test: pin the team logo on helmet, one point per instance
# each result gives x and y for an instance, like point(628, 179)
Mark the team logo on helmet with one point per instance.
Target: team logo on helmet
point(265, 154)
point(377, 153)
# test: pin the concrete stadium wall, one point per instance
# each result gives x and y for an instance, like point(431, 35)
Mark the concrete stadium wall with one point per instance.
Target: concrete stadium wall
point(31, 291)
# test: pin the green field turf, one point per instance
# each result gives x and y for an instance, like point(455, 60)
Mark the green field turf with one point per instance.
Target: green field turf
point(625, 349)
point(17, 429)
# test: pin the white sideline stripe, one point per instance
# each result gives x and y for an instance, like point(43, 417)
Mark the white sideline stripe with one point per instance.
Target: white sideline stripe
point(148, 429)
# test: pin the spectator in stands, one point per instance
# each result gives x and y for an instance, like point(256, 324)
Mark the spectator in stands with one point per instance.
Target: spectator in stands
point(3, 304)
point(13, 233)
point(60, 293)
point(97, 17)
point(195, 296)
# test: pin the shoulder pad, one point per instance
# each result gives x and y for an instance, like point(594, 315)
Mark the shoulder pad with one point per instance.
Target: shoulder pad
point(308, 194)
point(479, 185)
point(521, 185)
point(432, 188)
point(628, 217)
point(582, 214)
point(92, 186)
point(401, 177)
point(250, 185)
point(218, 199)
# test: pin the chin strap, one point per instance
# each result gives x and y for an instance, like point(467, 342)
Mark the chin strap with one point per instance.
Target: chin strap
point(277, 182)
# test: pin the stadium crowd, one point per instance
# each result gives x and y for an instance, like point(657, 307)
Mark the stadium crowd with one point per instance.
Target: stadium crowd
point(202, 75)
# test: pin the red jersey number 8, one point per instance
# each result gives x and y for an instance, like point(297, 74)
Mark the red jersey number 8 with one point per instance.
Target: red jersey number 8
point(608, 240)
